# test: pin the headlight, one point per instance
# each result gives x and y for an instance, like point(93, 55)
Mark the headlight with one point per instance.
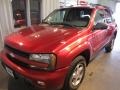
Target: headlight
point(49, 59)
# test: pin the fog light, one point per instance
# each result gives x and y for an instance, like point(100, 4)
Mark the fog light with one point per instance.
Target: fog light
point(41, 83)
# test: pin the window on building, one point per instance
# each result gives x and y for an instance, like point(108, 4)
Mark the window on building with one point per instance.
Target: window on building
point(35, 11)
point(19, 12)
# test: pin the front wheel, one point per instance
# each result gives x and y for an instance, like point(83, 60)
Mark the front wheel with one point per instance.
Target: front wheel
point(110, 46)
point(76, 74)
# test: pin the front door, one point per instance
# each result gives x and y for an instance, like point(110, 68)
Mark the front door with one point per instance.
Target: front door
point(99, 36)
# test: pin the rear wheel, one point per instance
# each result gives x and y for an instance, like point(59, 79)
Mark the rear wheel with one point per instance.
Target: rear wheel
point(76, 74)
point(110, 46)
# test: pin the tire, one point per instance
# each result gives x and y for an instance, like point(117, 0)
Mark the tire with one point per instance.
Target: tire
point(76, 74)
point(109, 47)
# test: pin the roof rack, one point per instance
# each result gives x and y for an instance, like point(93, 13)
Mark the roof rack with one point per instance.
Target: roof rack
point(94, 5)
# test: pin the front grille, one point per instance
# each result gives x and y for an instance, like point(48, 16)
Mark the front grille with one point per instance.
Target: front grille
point(20, 63)
point(17, 52)
point(16, 61)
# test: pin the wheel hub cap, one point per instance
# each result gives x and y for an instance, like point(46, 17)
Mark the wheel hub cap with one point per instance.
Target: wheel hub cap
point(77, 75)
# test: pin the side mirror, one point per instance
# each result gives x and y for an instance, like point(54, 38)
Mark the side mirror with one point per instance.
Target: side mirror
point(100, 26)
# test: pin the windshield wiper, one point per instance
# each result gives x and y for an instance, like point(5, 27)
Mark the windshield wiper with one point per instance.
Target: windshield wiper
point(63, 23)
point(46, 22)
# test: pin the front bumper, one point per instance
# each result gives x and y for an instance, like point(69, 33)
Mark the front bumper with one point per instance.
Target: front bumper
point(52, 80)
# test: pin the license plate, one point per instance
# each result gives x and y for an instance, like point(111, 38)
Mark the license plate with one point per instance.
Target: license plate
point(9, 71)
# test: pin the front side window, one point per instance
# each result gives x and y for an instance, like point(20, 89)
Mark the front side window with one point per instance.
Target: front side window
point(78, 17)
point(108, 17)
point(100, 17)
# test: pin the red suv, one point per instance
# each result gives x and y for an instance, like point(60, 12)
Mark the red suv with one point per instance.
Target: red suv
point(54, 54)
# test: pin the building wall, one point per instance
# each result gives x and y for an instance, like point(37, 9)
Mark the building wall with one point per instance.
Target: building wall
point(6, 15)
point(6, 20)
point(92, 1)
point(74, 2)
point(48, 6)
point(109, 3)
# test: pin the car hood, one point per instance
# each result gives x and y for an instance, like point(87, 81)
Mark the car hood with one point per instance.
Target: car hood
point(42, 38)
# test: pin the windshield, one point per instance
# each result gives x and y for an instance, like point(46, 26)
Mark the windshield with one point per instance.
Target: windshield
point(78, 17)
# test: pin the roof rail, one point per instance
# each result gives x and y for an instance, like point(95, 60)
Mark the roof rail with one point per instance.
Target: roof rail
point(94, 5)
point(108, 8)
